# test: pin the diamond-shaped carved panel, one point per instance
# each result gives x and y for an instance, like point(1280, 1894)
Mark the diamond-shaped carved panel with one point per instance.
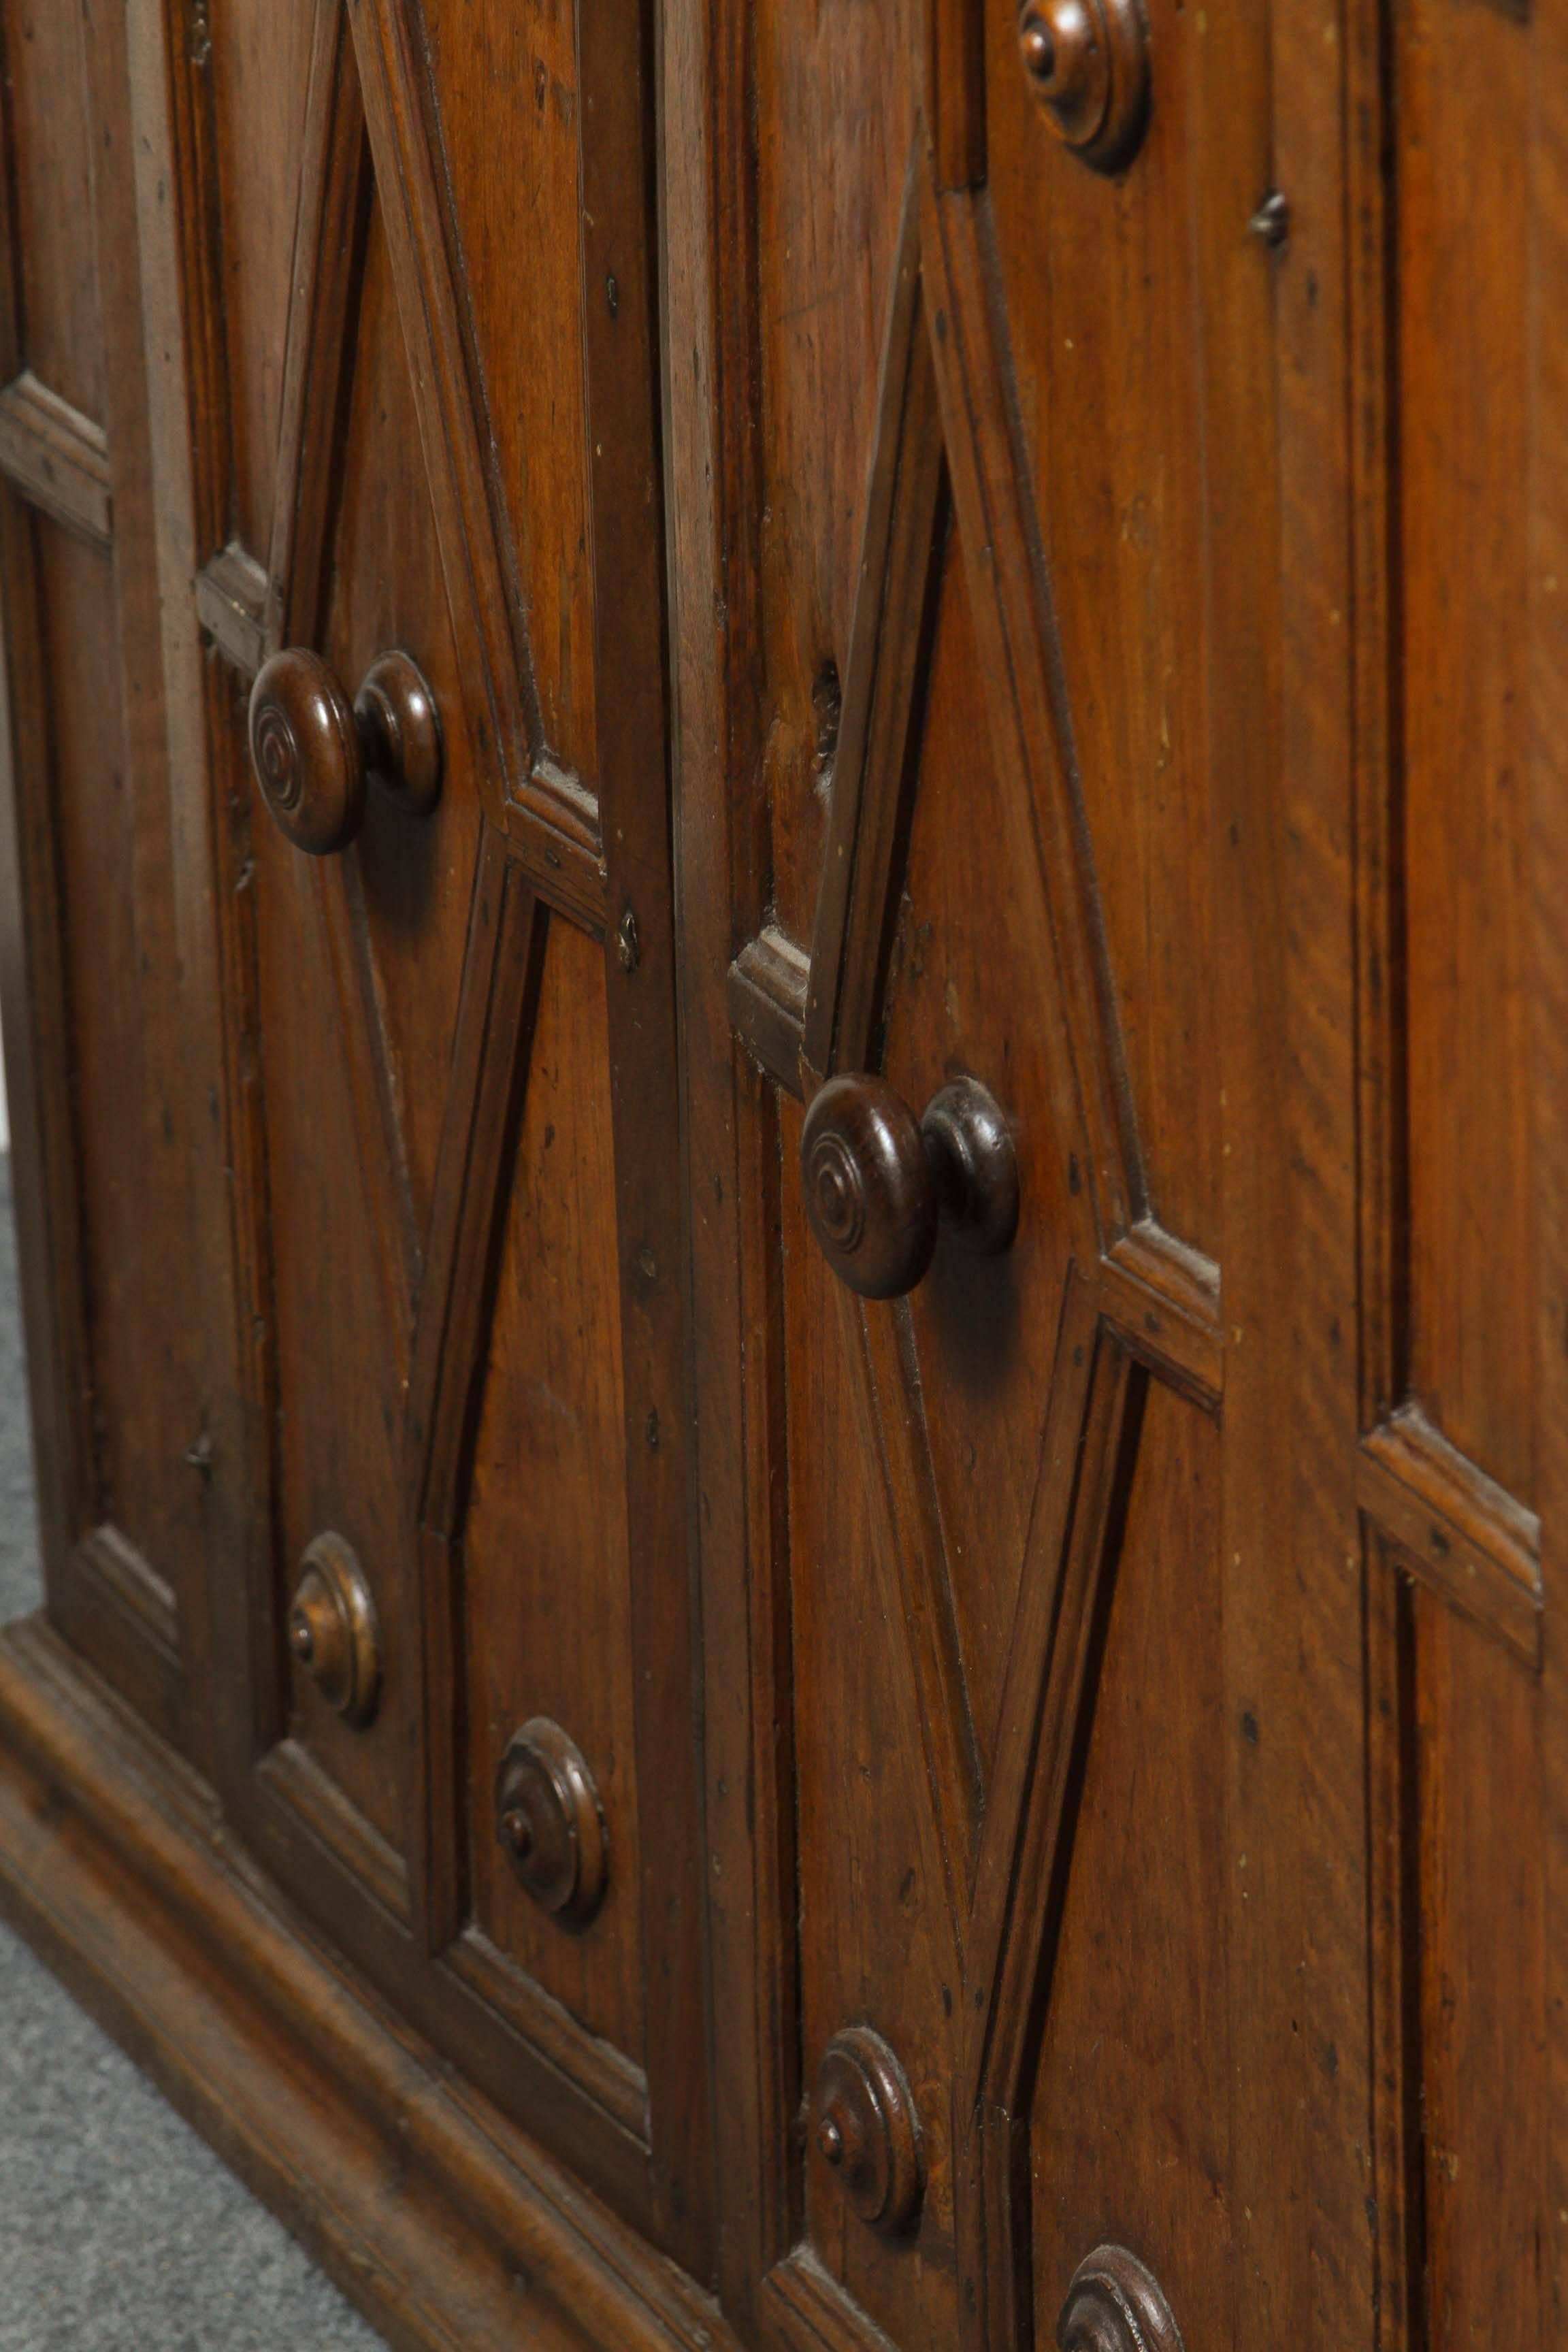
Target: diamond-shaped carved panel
point(958, 933)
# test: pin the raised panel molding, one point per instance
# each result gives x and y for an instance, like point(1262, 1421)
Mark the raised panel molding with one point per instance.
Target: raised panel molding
point(57, 457)
point(120, 1870)
point(325, 1812)
point(948, 485)
point(1454, 1528)
point(365, 138)
point(231, 605)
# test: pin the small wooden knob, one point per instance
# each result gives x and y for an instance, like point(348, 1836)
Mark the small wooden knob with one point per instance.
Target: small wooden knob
point(867, 2129)
point(313, 754)
point(1086, 61)
point(877, 1184)
point(550, 1823)
point(333, 1632)
point(1115, 2303)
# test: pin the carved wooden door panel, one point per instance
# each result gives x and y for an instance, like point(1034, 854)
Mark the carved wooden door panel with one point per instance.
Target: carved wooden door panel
point(1135, 1590)
point(458, 1718)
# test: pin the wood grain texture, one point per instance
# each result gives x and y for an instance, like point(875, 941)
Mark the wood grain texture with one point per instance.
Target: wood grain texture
point(1466, 406)
point(1455, 1527)
point(431, 2211)
point(1107, 332)
point(546, 1578)
point(767, 997)
point(231, 603)
point(1115, 620)
point(1139, 1894)
point(57, 458)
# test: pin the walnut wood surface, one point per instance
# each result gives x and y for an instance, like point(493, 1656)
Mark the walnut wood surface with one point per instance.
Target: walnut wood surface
point(904, 610)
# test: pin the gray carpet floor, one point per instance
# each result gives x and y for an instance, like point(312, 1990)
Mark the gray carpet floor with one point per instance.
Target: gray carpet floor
point(119, 2231)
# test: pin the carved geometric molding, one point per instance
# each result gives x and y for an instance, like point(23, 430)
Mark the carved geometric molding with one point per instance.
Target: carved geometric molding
point(889, 658)
point(1027, 1852)
point(548, 812)
point(57, 457)
point(502, 969)
point(891, 1420)
point(944, 441)
point(948, 473)
point(366, 114)
point(318, 349)
point(365, 143)
point(1454, 1529)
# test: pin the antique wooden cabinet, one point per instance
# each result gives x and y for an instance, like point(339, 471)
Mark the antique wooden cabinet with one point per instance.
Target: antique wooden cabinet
point(785, 829)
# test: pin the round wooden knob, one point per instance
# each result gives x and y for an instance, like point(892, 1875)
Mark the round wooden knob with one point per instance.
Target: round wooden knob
point(867, 2130)
point(1116, 2304)
point(313, 753)
point(332, 1628)
point(551, 1823)
point(877, 1184)
point(1086, 61)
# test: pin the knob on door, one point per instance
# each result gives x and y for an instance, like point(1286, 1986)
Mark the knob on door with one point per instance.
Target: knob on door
point(551, 1823)
point(313, 752)
point(868, 2129)
point(879, 1183)
point(1115, 2303)
point(1087, 62)
point(333, 1632)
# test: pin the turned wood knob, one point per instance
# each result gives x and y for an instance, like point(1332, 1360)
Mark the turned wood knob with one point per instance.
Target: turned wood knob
point(1086, 61)
point(551, 1823)
point(313, 753)
point(332, 1629)
point(877, 1184)
point(867, 2130)
point(1116, 2304)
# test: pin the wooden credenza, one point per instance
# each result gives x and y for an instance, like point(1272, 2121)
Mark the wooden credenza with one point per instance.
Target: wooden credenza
point(785, 830)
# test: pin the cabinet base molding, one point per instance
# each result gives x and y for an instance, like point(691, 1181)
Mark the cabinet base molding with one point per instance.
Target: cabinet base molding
point(435, 2216)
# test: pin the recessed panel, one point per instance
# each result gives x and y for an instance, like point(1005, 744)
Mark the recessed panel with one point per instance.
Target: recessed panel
point(338, 1340)
point(971, 984)
point(143, 1371)
point(545, 1554)
point(1130, 2136)
point(1475, 1832)
point(48, 163)
point(258, 58)
point(835, 117)
point(510, 123)
point(1467, 116)
point(1100, 281)
point(411, 873)
point(878, 1944)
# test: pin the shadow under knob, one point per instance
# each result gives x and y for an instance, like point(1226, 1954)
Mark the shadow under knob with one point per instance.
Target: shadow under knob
point(550, 1823)
point(878, 1184)
point(313, 753)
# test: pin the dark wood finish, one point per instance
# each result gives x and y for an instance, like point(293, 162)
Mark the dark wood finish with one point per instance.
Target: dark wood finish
point(1087, 62)
point(877, 1184)
point(551, 1823)
point(1013, 707)
point(867, 2130)
point(1114, 2305)
point(333, 1632)
point(314, 754)
point(421, 2199)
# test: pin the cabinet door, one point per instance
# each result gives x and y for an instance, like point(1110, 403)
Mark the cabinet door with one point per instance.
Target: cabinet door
point(455, 1685)
point(88, 895)
point(1052, 743)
